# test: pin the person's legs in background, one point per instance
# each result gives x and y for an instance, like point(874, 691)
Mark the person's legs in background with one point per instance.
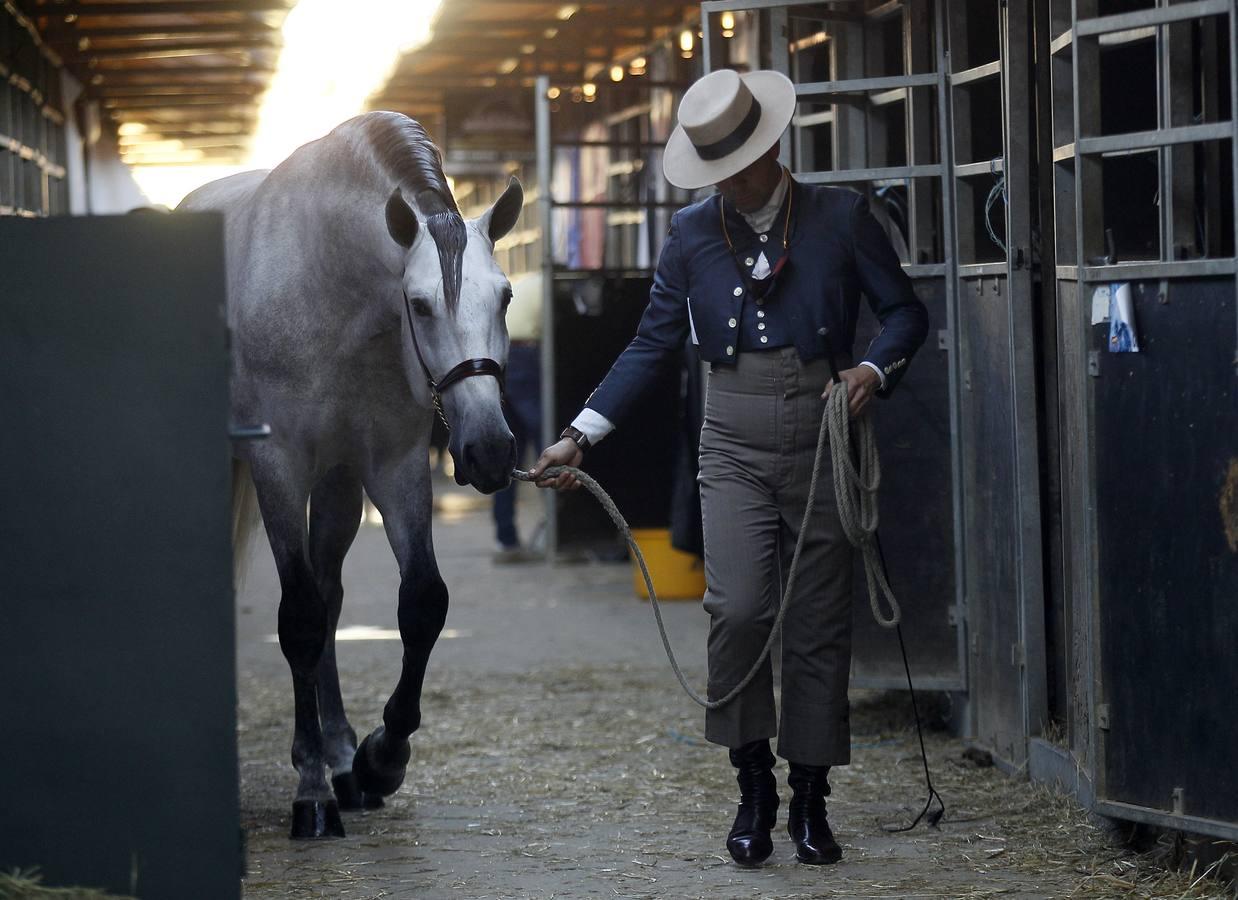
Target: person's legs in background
point(523, 407)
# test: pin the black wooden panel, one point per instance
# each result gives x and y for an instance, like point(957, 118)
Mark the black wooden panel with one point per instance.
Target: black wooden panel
point(990, 518)
point(119, 765)
point(917, 517)
point(595, 319)
point(1166, 477)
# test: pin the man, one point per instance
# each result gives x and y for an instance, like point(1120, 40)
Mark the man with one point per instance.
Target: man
point(766, 277)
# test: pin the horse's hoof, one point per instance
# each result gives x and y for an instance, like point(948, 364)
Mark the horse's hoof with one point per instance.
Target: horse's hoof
point(350, 796)
point(375, 776)
point(313, 819)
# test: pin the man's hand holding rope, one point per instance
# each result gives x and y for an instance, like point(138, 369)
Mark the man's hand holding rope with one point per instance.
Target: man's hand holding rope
point(564, 453)
point(862, 383)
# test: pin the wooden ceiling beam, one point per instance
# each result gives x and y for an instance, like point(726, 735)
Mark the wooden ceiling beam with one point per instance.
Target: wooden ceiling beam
point(190, 117)
point(178, 90)
point(198, 101)
point(206, 44)
point(198, 143)
point(218, 109)
point(61, 34)
point(210, 156)
point(158, 8)
point(188, 73)
point(511, 46)
point(172, 81)
point(238, 134)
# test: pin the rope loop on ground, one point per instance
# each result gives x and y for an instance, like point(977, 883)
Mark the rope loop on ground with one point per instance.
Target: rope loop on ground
point(855, 491)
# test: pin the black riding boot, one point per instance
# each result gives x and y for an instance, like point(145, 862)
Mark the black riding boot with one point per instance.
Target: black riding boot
point(749, 841)
point(814, 843)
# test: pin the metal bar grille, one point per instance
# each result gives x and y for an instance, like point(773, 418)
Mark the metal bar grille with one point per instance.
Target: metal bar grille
point(32, 126)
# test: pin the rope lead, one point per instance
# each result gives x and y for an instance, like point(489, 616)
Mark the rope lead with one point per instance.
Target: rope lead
point(857, 475)
point(855, 490)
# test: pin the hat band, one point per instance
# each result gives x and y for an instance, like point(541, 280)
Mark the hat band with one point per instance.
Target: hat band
point(734, 140)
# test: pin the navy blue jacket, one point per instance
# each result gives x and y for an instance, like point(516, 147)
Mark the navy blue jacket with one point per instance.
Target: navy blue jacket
point(838, 251)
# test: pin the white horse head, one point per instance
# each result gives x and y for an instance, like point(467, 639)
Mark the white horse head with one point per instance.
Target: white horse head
point(455, 297)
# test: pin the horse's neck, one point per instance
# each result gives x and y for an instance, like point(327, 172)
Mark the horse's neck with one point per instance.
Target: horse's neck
point(325, 209)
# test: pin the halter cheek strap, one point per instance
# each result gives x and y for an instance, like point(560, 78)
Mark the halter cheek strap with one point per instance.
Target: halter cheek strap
point(466, 369)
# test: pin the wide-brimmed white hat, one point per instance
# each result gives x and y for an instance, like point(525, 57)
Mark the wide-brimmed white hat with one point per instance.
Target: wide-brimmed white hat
point(726, 121)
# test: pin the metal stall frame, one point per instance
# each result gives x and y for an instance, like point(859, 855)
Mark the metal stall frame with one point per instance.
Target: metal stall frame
point(942, 170)
point(547, 204)
point(27, 105)
point(1076, 163)
point(1011, 279)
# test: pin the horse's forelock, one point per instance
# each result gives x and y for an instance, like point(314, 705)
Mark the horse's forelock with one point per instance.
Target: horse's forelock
point(405, 151)
point(450, 237)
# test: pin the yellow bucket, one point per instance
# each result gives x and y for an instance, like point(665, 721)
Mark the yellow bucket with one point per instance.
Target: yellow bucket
point(676, 575)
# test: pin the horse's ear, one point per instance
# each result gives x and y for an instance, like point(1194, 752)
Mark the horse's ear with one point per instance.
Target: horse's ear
point(401, 221)
point(502, 217)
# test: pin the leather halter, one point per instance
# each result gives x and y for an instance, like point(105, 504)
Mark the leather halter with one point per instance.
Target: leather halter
point(466, 369)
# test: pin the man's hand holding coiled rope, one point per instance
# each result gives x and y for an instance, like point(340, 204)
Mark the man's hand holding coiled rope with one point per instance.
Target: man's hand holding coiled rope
point(862, 383)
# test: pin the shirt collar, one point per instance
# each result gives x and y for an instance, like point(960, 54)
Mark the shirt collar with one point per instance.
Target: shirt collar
point(763, 219)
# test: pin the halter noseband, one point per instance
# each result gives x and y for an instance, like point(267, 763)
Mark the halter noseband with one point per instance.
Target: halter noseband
point(476, 366)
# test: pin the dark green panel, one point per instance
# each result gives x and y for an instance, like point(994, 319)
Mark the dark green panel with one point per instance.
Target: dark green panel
point(117, 647)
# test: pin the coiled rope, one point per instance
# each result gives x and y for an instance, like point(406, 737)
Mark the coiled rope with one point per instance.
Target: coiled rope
point(855, 491)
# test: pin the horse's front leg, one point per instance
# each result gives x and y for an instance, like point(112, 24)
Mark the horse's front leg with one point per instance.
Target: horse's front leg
point(401, 491)
point(335, 517)
point(303, 624)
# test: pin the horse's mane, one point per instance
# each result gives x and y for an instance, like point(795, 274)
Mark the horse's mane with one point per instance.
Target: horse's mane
point(405, 151)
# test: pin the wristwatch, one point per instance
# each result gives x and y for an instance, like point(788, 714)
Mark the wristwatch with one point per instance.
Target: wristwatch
point(576, 435)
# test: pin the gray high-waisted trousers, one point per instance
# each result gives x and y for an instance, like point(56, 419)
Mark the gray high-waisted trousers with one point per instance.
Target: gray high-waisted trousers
point(762, 417)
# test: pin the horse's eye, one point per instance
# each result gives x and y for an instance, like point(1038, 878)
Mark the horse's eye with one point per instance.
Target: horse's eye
point(507, 297)
point(421, 307)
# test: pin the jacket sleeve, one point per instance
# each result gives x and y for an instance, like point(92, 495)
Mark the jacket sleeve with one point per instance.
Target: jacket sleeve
point(659, 337)
point(903, 317)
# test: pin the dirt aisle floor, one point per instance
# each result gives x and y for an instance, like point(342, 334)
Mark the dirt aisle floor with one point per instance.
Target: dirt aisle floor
point(558, 758)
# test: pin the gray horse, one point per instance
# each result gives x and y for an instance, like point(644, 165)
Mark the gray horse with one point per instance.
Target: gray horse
point(345, 303)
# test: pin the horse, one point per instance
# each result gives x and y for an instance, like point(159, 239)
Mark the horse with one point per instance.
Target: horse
point(359, 298)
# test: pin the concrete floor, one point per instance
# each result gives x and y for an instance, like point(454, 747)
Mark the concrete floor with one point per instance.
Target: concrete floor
point(559, 758)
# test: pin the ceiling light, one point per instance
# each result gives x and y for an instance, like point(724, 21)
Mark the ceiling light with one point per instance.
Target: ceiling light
point(687, 40)
point(553, 93)
point(637, 66)
point(507, 66)
point(528, 48)
point(566, 12)
point(130, 128)
point(550, 33)
point(727, 21)
point(589, 89)
point(616, 73)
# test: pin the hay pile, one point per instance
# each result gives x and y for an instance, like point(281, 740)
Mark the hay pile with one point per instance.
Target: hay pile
point(27, 884)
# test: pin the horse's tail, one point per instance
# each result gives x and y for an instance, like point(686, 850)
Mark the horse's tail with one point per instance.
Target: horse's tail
point(245, 519)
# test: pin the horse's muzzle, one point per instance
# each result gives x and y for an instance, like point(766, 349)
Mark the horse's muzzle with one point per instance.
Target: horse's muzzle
point(485, 464)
